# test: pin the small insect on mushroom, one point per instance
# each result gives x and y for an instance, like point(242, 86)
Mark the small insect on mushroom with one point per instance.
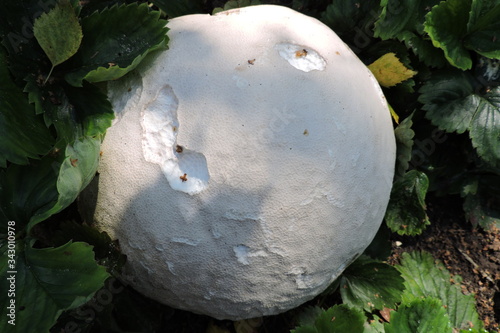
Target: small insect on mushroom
point(251, 62)
point(301, 53)
point(184, 178)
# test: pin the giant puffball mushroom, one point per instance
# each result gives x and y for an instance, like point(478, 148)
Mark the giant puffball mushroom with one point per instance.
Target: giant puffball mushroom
point(250, 164)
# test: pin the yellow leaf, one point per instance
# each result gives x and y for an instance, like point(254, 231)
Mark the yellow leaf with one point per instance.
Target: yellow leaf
point(394, 114)
point(389, 71)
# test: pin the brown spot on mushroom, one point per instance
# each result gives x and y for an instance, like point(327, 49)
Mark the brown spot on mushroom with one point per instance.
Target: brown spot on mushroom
point(337, 53)
point(306, 132)
point(251, 62)
point(184, 177)
point(174, 129)
point(73, 161)
point(179, 149)
point(301, 53)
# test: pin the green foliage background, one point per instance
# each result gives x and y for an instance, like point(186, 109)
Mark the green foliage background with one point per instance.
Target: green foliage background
point(55, 57)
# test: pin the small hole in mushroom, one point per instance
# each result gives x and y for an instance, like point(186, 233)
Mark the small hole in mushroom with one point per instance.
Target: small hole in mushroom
point(179, 149)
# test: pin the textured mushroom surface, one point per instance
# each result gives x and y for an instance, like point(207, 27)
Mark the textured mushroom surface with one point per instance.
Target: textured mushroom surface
point(248, 166)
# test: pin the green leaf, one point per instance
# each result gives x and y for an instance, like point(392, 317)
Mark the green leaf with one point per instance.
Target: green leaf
point(484, 129)
point(308, 315)
point(482, 14)
point(352, 20)
point(105, 249)
point(115, 41)
point(425, 277)
point(404, 144)
point(391, 21)
point(175, 8)
point(16, 33)
point(409, 28)
point(30, 194)
point(48, 281)
point(420, 316)
point(449, 101)
point(482, 201)
point(406, 210)
point(398, 17)
point(337, 319)
point(91, 107)
point(58, 32)
point(452, 104)
point(74, 112)
point(423, 49)
point(24, 134)
point(375, 325)
point(446, 24)
point(27, 190)
point(483, 27)
point(369, 285)
point(74, 174)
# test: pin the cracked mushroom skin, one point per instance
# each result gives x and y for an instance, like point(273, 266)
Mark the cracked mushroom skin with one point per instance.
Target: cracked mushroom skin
point(248, 166)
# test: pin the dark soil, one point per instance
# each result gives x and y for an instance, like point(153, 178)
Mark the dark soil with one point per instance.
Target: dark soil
point(470, 252)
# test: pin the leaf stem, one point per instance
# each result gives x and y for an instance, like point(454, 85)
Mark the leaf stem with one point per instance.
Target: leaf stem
point(48, 75)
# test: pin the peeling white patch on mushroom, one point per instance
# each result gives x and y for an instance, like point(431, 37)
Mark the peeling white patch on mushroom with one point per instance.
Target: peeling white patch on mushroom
point(244, 253)
point(302, 279)
point(301, 57)
point(171, 267)
point(318, 193)
point(241, 252)
point(185, 170)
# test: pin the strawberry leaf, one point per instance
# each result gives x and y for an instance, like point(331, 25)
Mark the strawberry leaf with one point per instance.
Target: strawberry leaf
point(58, 32)
point(453, 104)
point(115, 41)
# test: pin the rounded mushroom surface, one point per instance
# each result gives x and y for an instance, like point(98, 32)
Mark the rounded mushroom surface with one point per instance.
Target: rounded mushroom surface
point(249, 164)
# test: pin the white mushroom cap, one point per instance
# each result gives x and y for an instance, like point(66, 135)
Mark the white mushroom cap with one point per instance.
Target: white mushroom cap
point(252, 162)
